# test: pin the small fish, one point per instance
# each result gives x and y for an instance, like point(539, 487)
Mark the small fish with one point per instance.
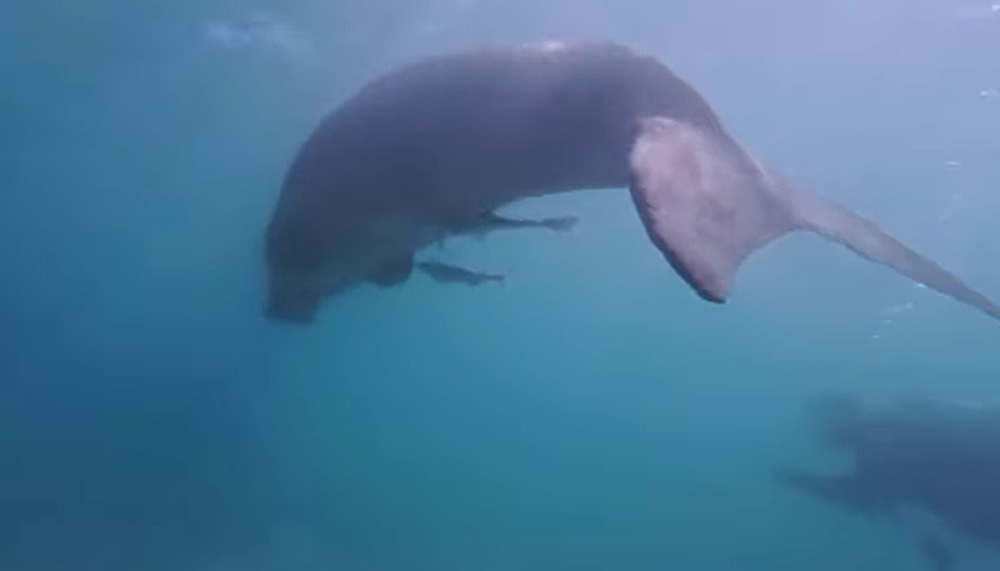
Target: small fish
point(447, 273)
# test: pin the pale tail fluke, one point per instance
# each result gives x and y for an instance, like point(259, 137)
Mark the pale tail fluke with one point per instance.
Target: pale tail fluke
point(707, 206)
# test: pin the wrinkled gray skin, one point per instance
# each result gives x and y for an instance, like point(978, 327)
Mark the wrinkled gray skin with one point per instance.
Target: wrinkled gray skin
point(431, 149)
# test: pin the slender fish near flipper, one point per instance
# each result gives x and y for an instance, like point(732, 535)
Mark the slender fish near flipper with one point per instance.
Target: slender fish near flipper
point(449, 274)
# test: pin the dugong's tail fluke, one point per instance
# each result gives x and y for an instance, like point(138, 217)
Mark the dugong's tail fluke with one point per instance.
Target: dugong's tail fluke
point(835, 222)
point(707, 206)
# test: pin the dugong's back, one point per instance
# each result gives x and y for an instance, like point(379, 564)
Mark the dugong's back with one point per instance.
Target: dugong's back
point(476, 129)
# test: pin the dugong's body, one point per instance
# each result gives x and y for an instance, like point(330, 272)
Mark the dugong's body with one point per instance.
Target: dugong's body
point(433, 148)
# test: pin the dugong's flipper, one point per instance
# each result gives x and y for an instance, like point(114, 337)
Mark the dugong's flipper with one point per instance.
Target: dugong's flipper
point(707, 205)
point(493, 222)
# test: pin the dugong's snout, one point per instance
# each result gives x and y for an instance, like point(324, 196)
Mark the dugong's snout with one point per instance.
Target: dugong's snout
point(292, 295)
point(295, 257)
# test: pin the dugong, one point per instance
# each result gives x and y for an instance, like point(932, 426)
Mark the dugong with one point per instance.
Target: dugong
point(931, 464)
point(434, 147)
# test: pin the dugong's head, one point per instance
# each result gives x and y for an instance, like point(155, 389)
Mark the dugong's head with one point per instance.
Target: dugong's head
point(837, 419)
point(294, 283)
point(314, 256)
point(304, 265)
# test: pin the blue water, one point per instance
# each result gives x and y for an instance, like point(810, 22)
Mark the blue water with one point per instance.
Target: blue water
point(590, 414)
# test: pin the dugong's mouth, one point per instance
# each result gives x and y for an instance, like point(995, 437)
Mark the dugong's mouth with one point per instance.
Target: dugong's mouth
point(291, 298)
point(292, 309)
point(294, 294)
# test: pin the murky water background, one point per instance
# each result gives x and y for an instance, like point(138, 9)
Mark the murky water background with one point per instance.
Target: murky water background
point(589, 414)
